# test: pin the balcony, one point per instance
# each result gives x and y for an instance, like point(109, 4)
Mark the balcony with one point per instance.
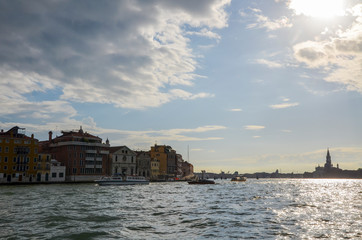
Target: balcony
point(90, 151)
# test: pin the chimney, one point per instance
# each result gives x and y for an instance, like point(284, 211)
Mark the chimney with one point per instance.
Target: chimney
point(50, 136)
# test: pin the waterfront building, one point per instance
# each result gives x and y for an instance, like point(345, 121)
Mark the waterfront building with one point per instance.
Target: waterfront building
point(168, 161)
point(123, 160)
point(57, 171)
point(155, 168)
point(43, 167)
point(84, 155)
point(187, 169)
point(143, 163)
point(179, 171)
point(18, 156)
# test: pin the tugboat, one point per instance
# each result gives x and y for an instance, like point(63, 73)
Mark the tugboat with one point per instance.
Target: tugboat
point(202, 180)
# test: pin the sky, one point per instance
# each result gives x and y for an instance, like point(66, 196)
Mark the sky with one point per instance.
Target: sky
point(241, 85)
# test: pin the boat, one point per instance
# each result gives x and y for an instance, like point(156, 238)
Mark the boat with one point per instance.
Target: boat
point(122, 180)
point(238, 179)
point(202, 180)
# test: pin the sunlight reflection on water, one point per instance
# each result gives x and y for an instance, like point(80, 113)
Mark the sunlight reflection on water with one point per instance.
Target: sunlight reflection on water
point(259, 209)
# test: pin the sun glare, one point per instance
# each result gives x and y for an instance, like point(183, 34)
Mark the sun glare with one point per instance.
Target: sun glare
point(318, 8)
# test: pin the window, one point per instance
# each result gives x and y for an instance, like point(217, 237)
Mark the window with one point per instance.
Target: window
point(6, 159)
point(14, 167)
point(17, 141)
point(0, 159)
point(7, 140)
point(34, 167)
point(35, 150)
point(0, 147)
point(61, 174)
point(14, 159)
point(27, 167)
point(74, 170)
point(35, 159)
point(5, 167)
point(6, 149)
point(54, 175)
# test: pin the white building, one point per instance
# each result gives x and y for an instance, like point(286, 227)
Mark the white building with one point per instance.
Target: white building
point(123, 160)
point(57, 172)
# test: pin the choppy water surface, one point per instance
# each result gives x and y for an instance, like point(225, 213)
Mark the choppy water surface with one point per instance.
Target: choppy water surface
point(259, 209)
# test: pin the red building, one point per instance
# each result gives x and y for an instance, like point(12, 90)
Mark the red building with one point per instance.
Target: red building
point(85, 157)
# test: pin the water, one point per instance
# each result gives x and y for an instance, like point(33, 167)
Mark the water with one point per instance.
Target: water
point(256, 209)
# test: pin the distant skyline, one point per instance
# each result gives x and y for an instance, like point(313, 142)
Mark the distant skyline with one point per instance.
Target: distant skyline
point(248, 85)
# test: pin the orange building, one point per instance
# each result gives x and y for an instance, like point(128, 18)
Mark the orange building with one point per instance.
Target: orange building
point(18, 156)
point(168, 160)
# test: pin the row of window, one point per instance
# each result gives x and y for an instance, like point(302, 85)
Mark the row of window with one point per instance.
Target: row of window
point(16, 149)
point(124, 158)
point(21, 159)
point(85, 171)
point(17, 141)
point(73, 147)
point(54, 175)
point(19, 168)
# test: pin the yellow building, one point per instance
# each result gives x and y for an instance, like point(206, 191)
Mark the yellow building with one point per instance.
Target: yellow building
point(18, 156)
point(155, 168)
point(43, 167)
point(168, 160)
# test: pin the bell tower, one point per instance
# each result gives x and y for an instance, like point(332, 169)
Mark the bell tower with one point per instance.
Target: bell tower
point(328, 164)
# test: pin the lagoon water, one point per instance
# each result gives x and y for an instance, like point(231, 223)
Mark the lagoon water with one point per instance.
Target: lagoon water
point(256, 209)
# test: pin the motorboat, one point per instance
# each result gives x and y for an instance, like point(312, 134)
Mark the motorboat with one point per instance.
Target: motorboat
point(238, 179)
point(122, 180)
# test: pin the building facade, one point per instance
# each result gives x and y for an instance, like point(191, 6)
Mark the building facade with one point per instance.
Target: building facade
point(57, 171)
point(18, 156)
point(187, 169)
point(84, 155)
point(143, 163)
point(155, 169)
point(43, 168)
point(123, 160)
point(168, 160)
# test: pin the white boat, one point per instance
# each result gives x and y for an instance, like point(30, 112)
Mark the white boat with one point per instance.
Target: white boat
point(238, 179)
point(122, 180)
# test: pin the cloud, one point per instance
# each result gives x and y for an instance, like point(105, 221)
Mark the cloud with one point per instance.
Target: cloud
point(283, 105)
point(205, 33)
point(254, 127)
point(261, 21)
point(127, 53)
point(339, 56)
point(236, 110)
point(268, 63)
